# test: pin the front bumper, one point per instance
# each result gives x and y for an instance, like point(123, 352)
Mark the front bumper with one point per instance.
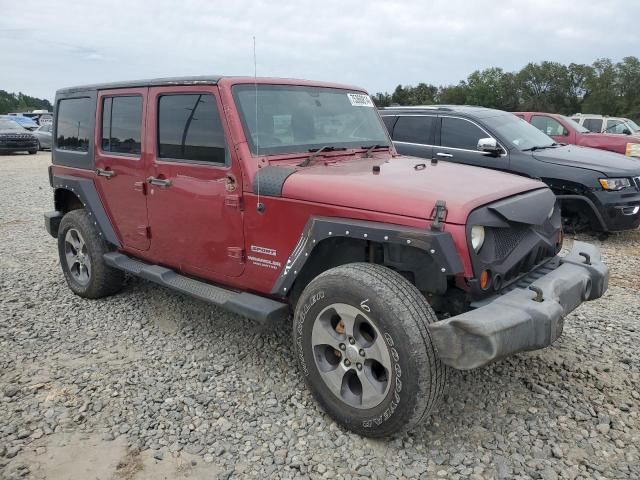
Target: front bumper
point(526, 318)
point(619, 210)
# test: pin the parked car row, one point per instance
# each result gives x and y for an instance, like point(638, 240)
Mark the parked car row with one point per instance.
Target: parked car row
point(598, 190)
point(566, 130)
point(292, 200)
point(15, 137)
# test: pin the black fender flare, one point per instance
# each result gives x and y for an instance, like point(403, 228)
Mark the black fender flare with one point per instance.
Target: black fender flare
point(590, 204)
point(85, 190)
point(438, 245)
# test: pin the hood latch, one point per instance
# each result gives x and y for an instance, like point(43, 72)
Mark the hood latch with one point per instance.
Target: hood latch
point(439, 213)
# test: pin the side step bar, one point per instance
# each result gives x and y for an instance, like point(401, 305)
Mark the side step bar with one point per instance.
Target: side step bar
point(248, 305)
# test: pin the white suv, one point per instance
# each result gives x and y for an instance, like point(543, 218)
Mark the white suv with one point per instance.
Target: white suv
point(606, 124)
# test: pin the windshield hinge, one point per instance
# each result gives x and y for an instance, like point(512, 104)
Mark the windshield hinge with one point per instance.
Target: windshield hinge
point(439, 213)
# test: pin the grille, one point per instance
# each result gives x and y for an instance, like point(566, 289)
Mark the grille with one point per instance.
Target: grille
point(506, 239)
point(17, 136)
point(637, 182)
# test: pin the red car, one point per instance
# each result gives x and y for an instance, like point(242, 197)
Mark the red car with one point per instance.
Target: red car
point(279, 199)
point(565, 130)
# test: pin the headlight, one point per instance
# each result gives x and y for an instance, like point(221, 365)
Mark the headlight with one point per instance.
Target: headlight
point(550, 214)
point(633, 150)
point(477, 237)
point(615, 183)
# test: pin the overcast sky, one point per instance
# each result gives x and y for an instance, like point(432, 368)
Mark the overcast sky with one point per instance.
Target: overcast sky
point(46, 45)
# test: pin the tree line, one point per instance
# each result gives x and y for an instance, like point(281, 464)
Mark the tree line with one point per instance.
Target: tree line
point(19, 102)
point(603, 87)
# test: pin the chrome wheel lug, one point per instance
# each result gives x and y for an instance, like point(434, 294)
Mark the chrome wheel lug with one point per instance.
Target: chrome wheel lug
point(359, 365)
point(361, 352)
point(352, 340)
point(343, 346)
point(347, 362)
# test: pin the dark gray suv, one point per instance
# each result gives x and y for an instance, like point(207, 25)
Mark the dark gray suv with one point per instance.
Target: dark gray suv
point(599, 190)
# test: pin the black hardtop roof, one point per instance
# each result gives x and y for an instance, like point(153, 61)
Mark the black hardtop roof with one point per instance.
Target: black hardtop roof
point(470, 110)
point(155, 82)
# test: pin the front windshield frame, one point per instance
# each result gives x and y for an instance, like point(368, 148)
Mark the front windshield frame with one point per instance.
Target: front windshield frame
point(9, 124)
point(369, 116)
point(504, 125)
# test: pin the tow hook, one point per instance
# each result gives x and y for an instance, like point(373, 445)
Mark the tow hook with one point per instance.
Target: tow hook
point(587, 258)
point(538, 291)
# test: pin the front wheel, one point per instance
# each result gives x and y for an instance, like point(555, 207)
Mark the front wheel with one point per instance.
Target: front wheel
point(361, 338)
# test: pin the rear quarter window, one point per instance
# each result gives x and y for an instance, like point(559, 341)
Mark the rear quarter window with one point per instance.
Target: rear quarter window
point(74, 124)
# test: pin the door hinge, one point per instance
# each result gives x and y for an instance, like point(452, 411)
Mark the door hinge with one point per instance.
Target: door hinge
point(233, 201)
point(144, 231)
point(237, 253)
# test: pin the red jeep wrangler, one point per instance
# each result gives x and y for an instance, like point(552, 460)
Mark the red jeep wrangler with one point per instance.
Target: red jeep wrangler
point(269, 197)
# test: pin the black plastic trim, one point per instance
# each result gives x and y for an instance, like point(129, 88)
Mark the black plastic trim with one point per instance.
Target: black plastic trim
point(439, 245)
point(590, 204)
point(85, 190)
point(268, 181)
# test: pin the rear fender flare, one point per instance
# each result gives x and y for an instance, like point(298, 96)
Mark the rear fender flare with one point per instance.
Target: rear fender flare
point(437, 244)
point(85, 190)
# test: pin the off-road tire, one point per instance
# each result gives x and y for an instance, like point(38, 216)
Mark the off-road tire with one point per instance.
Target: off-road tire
point(103, 280)
point(401, 313)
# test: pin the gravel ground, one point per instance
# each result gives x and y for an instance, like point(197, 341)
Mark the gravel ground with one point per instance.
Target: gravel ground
point(150, 384)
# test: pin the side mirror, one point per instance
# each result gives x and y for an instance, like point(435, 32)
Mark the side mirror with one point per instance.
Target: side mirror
point(565, 132)
point(489, 145)
point(626, 131)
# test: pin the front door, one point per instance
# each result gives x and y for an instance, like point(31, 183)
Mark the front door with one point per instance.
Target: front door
point(552, 127)
point(195, 190)
point(458, 142)
point(120, 168)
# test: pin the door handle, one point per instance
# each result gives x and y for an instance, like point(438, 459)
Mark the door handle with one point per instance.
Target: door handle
point(105, 173)
point(442, 154)
point(159, 182)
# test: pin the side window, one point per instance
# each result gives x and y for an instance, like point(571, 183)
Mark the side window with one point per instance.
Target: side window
point(615, 126)
point(121, 123)
point(460, 133)
point(189, 128)
point(74, 122)
point(389, 121)
point(413, 129)
point(548, 125)
point(593, 124)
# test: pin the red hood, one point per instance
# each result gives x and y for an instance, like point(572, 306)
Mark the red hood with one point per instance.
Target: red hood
point(607, 139)
point(401, 189)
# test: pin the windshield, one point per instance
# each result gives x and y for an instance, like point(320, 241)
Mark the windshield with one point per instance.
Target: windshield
point(293, 119)
point(6, 124)
point(579, 128)
point(517, 132)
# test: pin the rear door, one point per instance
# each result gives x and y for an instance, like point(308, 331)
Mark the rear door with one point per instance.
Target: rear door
point(195, 201)
point(413, 134)
point(120, 168)
point(458, 142)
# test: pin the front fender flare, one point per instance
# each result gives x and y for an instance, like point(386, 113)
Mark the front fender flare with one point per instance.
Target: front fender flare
point(439, 245)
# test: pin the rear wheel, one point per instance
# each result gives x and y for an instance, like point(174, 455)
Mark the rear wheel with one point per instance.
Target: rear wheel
point(33, 152)
point(81, 249)
point(361, 337)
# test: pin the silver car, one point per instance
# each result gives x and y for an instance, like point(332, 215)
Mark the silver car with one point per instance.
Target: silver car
point(43, 134)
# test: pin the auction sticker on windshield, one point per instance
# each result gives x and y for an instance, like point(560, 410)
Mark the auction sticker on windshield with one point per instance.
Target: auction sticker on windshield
point(360, 100)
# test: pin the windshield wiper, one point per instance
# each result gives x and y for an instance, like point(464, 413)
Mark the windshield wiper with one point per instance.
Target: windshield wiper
point(540, 147)
point(371, 148)
point(317, 151)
